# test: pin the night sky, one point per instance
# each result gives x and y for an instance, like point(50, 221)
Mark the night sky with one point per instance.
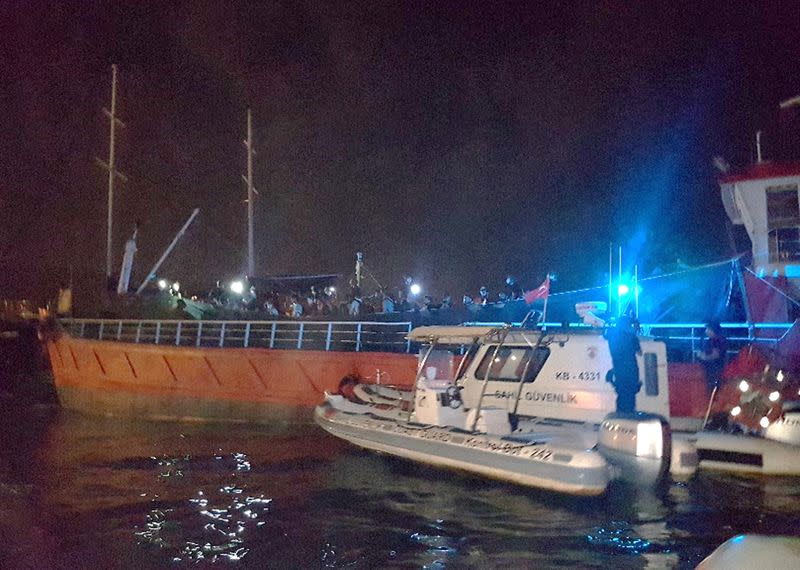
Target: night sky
point(453, 141)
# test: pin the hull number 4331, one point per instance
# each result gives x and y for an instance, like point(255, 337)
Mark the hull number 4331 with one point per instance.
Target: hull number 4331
point(586, 375)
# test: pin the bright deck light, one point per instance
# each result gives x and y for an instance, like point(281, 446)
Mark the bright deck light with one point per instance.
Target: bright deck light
point(779, 376)
point(176, 286)
point(764, 422)
point(744, 385)
point(415, 289)
point(623, 290)
point(162, 283)
point(774, 396)
point(736, 411)
point(237, 287)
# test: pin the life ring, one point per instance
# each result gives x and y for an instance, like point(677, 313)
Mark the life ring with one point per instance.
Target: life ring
point(346, 386)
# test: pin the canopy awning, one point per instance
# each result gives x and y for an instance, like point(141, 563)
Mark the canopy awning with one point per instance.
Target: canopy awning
point(450, 335)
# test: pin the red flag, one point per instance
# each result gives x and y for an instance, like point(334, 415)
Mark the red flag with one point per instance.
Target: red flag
point(541, 292)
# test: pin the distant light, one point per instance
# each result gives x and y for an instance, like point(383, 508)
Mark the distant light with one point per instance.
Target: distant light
point(331, 290)
point(176, 286)
point(623, 289)
point(779, 376)
point(162, 284)
point(744, 385)
point(764, 422)
point(736, 411)
point(415, 289)
point(774, 396)
point(237, 287)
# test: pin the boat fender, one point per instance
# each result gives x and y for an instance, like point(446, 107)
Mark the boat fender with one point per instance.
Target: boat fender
point(346, 386)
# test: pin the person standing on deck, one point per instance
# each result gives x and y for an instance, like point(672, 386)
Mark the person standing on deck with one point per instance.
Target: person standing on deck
point(713, 354)
point(624, 346)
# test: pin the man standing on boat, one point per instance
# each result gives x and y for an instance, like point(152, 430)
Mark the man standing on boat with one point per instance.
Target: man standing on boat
point(713, 354)
point(624, 346)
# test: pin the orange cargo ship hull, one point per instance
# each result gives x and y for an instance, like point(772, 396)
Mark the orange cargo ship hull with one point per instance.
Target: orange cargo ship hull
point(234, 384)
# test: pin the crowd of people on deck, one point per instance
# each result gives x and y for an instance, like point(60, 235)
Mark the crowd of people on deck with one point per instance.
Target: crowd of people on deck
point(328, 302)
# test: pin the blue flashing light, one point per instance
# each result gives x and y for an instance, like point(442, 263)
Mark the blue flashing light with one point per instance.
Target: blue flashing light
point(622, 290)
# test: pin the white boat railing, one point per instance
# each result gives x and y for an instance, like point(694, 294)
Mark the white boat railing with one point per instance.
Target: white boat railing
point(355, 336)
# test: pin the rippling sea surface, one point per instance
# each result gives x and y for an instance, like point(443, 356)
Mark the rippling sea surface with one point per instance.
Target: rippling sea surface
point(96, 492)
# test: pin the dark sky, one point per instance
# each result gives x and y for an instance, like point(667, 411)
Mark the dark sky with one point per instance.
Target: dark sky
point(454, 141)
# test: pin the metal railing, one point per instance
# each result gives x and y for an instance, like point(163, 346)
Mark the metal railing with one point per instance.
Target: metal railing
point(689, 337)
point(368, 336)
point(309, 335)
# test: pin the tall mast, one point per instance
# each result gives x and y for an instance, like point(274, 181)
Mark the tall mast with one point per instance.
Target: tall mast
point(250, 192)
point(110, 166)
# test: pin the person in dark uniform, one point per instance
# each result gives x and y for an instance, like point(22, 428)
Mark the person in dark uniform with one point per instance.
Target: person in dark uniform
point(713, 354)
point(513, 288)
point(624, 346)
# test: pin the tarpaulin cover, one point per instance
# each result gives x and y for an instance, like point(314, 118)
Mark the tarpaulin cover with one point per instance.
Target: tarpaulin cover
point(293, 283)
point(692, 295)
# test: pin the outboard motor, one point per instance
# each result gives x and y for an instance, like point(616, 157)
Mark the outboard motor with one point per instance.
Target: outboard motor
point(638, 445)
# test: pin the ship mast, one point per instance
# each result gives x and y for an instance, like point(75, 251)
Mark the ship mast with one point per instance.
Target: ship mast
point(110, 167)
point(250, 194)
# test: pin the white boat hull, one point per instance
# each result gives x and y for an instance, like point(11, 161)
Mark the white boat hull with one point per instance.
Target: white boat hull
point(542, 463)
point(728, 452)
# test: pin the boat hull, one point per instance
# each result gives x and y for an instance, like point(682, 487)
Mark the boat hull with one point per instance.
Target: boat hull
point(540, 464)
point(218, 384)
point(728, 452)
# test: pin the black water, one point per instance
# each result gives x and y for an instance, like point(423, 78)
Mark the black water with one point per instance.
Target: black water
point(94, 492)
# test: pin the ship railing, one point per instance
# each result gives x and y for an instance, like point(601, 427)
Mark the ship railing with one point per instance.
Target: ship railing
point(685, 339)
point(357, 336)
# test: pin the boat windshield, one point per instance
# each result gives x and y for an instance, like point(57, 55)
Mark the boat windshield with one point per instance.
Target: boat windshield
point(512, 362)
point(441, 364)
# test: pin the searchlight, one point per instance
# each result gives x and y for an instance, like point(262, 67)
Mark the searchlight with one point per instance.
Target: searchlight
point(237, 287)
point(415, 289)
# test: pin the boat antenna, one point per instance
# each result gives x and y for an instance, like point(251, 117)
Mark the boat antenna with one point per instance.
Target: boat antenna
point(113, 173)
point(758, 146)
point(359, 266)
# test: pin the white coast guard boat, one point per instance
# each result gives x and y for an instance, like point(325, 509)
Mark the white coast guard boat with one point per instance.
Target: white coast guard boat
point(467, 413)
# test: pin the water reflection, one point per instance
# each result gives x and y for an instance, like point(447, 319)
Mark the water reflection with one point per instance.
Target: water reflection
point(82, 492)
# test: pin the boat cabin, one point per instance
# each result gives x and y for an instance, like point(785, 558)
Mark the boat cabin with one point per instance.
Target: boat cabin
point(539, 375)
point(765, 199)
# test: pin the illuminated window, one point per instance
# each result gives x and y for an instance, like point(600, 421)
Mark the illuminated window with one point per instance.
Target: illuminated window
point(783, 207)
point(784, 245)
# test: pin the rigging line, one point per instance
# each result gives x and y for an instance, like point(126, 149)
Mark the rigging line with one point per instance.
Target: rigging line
point(768, 284)
point(682, 271)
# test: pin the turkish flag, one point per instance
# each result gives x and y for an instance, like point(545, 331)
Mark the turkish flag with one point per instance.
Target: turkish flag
point(541, 292)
